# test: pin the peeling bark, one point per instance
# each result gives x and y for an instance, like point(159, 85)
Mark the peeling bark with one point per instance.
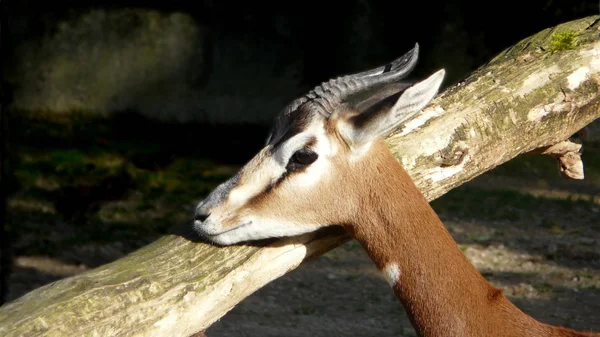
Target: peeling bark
point(526, 98)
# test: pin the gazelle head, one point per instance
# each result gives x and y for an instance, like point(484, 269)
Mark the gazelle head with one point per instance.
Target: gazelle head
point(319, 148)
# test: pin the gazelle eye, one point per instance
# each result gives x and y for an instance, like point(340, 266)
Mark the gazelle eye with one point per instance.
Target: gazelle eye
point(301, 158)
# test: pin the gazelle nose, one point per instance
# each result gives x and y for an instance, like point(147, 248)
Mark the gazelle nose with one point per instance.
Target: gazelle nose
point(201, 216)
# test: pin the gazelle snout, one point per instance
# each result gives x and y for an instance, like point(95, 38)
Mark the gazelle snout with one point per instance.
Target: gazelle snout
point(204, 224)
point(201, 214)
point(200, 218)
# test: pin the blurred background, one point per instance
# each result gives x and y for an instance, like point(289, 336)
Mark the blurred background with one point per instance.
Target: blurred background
point(118, 117)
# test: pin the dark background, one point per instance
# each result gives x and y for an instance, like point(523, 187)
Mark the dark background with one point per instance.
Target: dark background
point(119, 116)
point(458, 35)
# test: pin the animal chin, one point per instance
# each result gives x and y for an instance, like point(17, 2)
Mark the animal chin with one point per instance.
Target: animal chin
point(228, 236)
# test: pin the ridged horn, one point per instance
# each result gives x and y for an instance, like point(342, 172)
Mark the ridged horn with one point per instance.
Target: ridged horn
point(329, 95)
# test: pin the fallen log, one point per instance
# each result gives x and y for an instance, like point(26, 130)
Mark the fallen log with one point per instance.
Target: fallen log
point(531, 97)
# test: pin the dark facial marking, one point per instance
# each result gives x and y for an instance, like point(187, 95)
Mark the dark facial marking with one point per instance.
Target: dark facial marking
point(217, 196)
point(286, 127)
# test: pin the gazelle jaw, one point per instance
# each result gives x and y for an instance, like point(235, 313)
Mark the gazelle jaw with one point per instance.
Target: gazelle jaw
point(257, 229)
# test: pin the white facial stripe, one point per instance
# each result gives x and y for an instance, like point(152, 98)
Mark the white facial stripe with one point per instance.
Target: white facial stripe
point(268, 172)
point(324, 148)
point(314, 173)
point(287, 149)
point(391, 273)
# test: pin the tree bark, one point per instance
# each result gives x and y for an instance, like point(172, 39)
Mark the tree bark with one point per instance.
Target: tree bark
point(533, 95)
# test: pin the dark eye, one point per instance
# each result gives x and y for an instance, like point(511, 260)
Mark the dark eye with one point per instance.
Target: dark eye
point(301, 158)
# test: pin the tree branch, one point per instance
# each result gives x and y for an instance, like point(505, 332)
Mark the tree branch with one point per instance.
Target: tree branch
point(528, 97)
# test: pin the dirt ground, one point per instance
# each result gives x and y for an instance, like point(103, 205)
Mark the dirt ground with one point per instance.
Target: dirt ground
point(530, 232)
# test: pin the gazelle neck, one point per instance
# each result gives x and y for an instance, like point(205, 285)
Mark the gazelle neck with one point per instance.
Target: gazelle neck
point(442, 292)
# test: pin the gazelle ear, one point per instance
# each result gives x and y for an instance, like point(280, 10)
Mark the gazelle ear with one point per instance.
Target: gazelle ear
point(382, 117)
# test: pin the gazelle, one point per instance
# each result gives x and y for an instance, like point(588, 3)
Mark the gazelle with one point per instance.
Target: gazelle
point(325, 162)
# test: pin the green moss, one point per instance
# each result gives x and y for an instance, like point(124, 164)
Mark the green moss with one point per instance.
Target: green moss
point(563, 40)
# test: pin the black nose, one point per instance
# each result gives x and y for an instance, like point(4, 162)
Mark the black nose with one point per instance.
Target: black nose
point(201, 216)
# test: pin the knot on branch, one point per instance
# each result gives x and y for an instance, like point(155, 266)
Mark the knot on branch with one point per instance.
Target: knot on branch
point(568, 156)
point(451, 156)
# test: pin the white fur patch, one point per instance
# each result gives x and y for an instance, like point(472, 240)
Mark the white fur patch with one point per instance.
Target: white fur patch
point(269, 171)
point(287, 149)
point(313, 174)
point(260, 228)
point(323, 148)
point(391, 273)
point(359, 152)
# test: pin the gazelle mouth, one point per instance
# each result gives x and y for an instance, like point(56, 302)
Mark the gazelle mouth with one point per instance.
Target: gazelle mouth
point(227, 231)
